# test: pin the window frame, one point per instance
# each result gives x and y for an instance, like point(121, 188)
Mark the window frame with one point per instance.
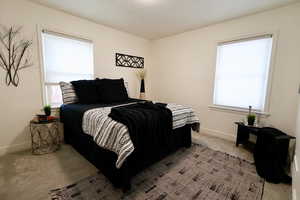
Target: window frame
point(233, 109)
point(44, 84)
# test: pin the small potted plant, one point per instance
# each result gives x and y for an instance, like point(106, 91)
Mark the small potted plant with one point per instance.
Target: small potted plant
point(47, 110)
point(251, 117)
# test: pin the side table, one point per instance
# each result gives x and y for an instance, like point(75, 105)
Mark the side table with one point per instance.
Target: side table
point(45, 136)
point(243, 132)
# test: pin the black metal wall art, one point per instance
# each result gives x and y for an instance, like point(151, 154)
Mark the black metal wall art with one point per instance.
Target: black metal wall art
point(123, 60)
point(13, 54)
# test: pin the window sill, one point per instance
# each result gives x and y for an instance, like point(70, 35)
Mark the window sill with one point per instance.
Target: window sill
point(237, 110)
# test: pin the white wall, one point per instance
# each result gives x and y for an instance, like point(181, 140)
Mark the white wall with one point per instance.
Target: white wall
point(183, 67)
point(19, 105)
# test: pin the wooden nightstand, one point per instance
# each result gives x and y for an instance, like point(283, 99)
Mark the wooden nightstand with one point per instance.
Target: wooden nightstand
point(45, 136)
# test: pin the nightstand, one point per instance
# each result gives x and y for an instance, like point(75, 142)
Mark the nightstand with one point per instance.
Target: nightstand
point(243, 132)
point(45, 136)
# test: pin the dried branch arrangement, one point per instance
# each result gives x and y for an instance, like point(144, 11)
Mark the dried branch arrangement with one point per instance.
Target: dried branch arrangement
point(141, 73)
point(12, 54)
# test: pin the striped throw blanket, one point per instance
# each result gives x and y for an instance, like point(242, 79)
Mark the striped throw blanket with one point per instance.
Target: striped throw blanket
point(114, 136)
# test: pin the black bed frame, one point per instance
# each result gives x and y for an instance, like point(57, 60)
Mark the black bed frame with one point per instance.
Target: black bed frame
point(105, 160)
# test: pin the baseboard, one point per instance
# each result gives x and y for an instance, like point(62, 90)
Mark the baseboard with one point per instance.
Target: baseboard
point(223, 135)
point(14, 148)
point(295, 174)
point(294, 195)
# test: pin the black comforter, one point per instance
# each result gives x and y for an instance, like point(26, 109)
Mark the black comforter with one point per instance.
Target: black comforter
point(71, 114)
point(154, 121)
point(76, 111)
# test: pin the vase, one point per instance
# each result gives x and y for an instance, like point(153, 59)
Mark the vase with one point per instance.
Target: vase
point(142, 90)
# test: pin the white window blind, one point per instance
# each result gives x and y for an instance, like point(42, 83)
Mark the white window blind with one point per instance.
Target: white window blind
point(242, 70)
point(65, 59)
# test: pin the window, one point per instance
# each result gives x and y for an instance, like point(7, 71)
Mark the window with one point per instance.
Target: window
point(65, 58)
point(242, 73)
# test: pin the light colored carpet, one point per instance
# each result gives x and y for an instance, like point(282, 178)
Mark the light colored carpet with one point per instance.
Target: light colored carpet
point(25, 176)
point(189, 174)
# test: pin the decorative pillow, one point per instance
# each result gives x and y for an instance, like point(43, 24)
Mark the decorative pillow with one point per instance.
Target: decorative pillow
point(112, 90)
point(68, 93)
point(87, 91)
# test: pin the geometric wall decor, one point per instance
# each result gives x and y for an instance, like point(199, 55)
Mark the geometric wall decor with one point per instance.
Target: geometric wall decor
point(123, 60)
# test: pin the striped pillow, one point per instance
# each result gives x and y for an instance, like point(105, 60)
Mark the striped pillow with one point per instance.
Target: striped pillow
point(68, 93)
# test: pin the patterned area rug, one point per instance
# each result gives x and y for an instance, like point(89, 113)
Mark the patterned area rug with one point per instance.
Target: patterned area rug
point(189, 174)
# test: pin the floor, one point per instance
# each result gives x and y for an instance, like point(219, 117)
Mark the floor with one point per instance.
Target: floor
point(27, 177)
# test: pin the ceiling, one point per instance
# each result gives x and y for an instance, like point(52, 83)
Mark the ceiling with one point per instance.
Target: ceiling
point(153, 19)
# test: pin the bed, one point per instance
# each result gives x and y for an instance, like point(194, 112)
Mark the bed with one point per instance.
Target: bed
point(82, 128)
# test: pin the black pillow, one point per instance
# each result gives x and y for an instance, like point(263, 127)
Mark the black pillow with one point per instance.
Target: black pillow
point(112, 90)
point(87, 91)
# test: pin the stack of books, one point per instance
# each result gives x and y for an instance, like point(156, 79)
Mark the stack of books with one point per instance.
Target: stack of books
point(44, 119)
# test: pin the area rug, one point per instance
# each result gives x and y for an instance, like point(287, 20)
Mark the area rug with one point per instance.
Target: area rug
point(189, 174)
